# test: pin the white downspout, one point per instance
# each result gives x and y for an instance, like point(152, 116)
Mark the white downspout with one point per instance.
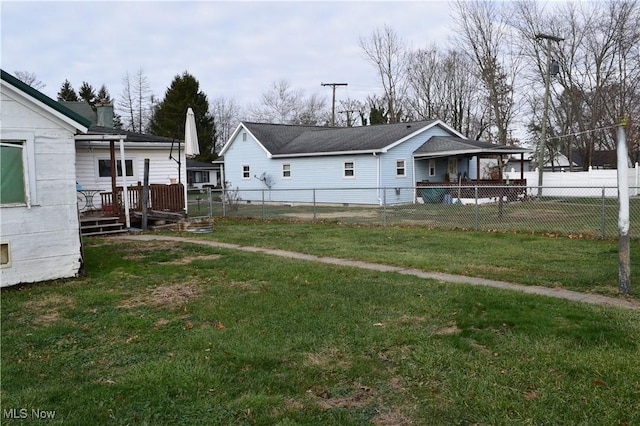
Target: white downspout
point(413, 177)
point(378, 178)
point(125, 193)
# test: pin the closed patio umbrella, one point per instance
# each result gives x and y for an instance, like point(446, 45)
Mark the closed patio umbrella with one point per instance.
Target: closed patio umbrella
point(191, 147)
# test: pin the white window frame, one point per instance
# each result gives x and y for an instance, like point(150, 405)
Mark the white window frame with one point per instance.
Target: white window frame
point(352, 169)
point(133, 167)
point(246, 172)
point(403, 167)
point(286, 171)
point(28, 164)
point(432, 167)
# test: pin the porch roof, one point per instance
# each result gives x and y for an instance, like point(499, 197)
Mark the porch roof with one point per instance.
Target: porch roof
point(447, 146)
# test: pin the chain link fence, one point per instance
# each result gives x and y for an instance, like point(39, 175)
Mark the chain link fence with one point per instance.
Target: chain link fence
point(572, 211)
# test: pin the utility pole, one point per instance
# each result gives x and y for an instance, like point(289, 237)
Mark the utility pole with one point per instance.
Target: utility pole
point(545, 114)
point(333, 102)
point(348, 112)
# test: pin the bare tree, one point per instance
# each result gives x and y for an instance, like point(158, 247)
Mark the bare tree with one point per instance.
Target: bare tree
point(30, 78)
point(282, 104)
point(388, 53)
point(485, 35)
point(135, 102)
point(226, 115)
point(441, 86)
point(348, 112)
point(599, 74)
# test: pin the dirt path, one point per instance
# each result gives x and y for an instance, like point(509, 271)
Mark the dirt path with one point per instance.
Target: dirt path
point(545, 291)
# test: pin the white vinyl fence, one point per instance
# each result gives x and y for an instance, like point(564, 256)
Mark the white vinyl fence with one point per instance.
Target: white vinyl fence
point(564, 183)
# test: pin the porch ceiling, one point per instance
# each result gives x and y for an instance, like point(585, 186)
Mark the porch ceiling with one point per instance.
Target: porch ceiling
point(447, 146)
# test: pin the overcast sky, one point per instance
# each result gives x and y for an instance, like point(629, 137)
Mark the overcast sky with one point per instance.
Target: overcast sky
point(234, 49)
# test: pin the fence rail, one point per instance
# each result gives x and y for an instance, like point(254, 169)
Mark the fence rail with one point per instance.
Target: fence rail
point(584, 211)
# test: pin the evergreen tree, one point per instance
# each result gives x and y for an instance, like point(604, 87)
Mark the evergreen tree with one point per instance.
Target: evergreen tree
point(103, 96)
point(170, 114)
point(87, 93)
point(67, 93)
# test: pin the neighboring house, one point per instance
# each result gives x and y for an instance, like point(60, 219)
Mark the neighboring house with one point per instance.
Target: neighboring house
point(600, 159)
point(200, 175)
point(39, 226)
point(93, 166)
point(93, 151)
point(273, 157)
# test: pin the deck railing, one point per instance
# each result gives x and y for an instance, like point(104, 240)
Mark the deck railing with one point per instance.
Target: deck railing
point(481, 188)
point(166, 198)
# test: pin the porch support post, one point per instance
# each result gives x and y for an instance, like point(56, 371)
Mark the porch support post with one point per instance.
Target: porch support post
point(478, 167)
point(125, 193)
point(114, 172)
point(522, 166)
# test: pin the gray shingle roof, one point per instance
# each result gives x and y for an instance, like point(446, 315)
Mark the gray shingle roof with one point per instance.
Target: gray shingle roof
point(438, 145)
point(281, 139)
point(131, 136)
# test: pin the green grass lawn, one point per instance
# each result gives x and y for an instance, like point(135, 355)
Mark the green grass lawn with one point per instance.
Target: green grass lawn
point(575, 216)
point(581, 264)
point(164, 333)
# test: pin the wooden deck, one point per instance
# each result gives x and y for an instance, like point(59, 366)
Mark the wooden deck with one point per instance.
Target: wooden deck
point(163, 198)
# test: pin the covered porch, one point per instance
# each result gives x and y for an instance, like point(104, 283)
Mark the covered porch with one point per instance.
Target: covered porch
point(462, 168)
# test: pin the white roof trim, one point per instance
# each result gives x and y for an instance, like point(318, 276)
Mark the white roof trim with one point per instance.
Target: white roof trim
point(321, 154)
point(235, 134)
point(424, 129)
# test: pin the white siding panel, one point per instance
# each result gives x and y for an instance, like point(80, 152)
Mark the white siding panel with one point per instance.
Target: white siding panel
point(44, 239)
point(161, 168)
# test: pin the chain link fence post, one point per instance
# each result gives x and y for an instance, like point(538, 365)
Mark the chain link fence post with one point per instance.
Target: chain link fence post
point(315, 207)
point(223, 197)
point(477, 209)
point(384, 207)
point(602, 217)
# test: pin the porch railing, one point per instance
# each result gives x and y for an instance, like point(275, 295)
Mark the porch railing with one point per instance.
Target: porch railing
point(485, 189)
point(167, 198)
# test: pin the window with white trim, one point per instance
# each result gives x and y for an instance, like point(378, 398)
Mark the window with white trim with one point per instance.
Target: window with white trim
point(286, 171)
point(104, 168)
point(349, 169)
point(432, 167)
point(246, 172)
point(401, 169)
point(13, 188)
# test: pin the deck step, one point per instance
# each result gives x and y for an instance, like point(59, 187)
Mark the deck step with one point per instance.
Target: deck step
point(101, 225)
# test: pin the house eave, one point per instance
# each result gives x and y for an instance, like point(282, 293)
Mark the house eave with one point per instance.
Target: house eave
point(472, 152)
point(104, 143)
point(321, 154)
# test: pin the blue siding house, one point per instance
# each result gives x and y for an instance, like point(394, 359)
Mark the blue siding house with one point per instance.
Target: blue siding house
point(288, 161)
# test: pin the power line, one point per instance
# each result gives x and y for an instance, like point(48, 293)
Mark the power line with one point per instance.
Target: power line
point(333, 103)
point(567, 135)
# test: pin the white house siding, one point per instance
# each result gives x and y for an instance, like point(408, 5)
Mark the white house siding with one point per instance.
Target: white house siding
point(44, 240)
point(161, 168)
